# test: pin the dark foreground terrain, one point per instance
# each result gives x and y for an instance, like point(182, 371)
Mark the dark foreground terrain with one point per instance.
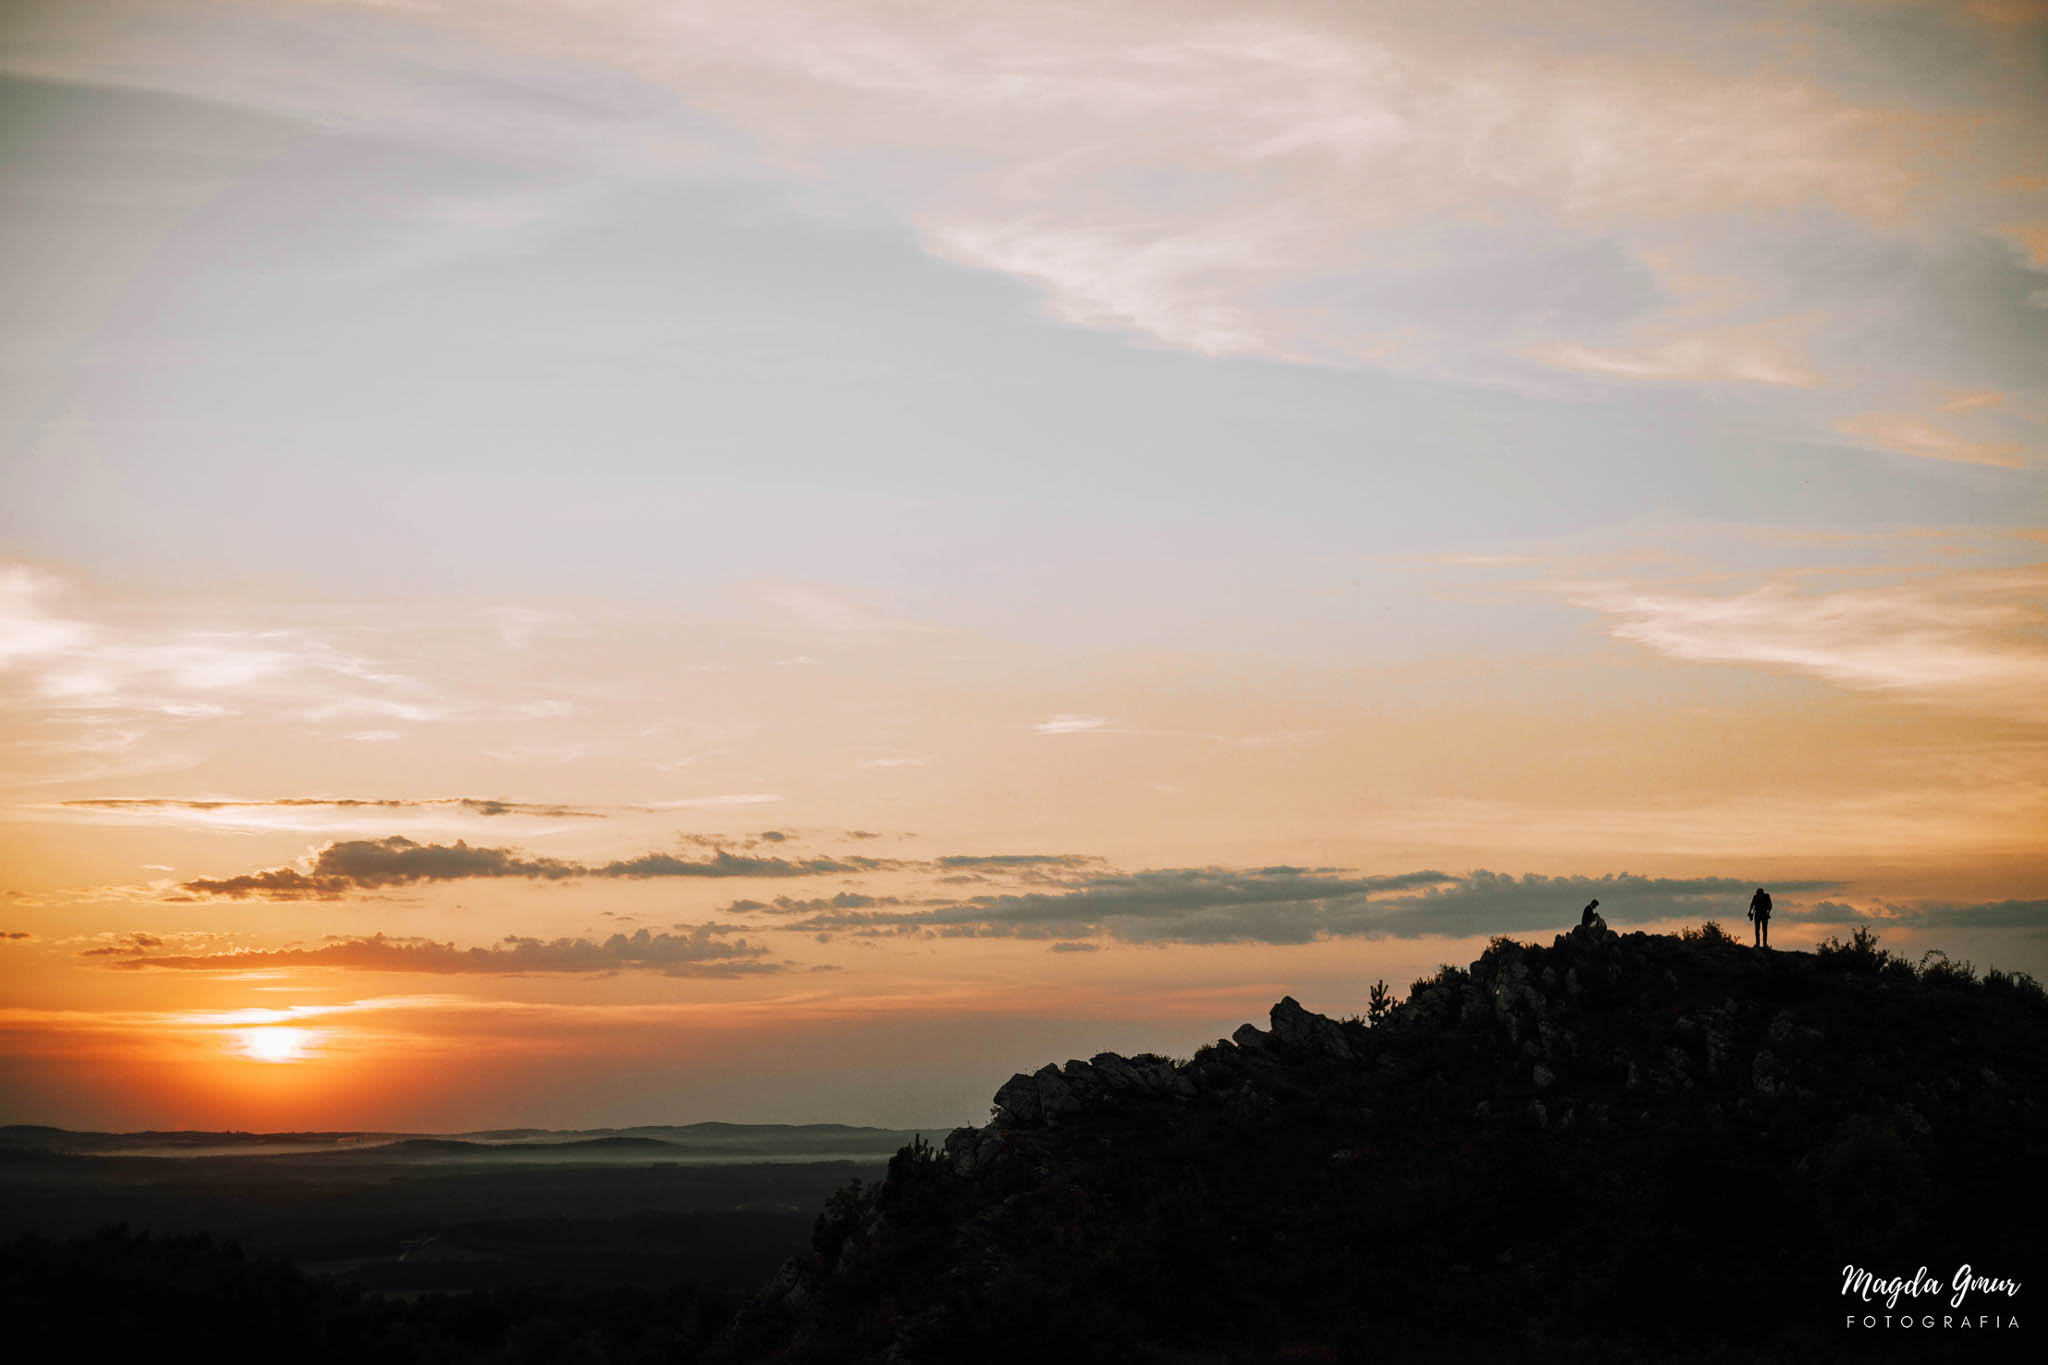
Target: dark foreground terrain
point(1617, 1147)
point(718, 1205)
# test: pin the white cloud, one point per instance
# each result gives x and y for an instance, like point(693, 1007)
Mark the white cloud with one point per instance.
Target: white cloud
point(1974, 641)
point(1070, 723)
point(108, 685)
point(29, 629)
point(824, 609)
point(1316, 182)
point(729, 799)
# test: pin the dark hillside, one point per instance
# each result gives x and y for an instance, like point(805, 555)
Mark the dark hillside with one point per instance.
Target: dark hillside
point(1616, 1147)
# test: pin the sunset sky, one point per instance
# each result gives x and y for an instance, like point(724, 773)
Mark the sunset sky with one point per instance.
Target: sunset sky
point(623, 562)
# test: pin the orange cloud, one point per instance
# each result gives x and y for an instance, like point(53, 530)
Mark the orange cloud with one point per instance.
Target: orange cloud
point(1767, 353)
point(1910, 435)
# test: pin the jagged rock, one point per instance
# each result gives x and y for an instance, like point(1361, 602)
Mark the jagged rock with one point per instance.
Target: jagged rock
point(969, 1150)
point(1017, 1101)
point(1709, 1030)
point(792, 1285)
point(1515, 1001)
point(1051, 1093)
point(1429, 1006)
point(1543, 1076)
point(1304, 1031)
point(1040, 1097)
point(1250, 1036)
point(1247, 1102)
point(1115, 1072)
point(1763, 1072)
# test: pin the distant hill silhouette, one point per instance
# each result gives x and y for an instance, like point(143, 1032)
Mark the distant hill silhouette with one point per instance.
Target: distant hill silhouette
point(1616, 1147)
point(621, 1143)
point(434, 1147)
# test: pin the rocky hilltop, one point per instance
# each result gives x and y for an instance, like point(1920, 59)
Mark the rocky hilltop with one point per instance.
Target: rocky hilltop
point(1614, 1147)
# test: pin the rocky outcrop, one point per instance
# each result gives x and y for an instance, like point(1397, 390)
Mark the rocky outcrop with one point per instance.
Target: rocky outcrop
point(1229, 1071)
point(1531, 1149)
point(1315, 1034)
point(1052, 1093)
point(1534, 1002)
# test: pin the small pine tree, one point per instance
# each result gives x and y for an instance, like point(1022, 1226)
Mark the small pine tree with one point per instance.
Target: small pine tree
point(1380, 1005)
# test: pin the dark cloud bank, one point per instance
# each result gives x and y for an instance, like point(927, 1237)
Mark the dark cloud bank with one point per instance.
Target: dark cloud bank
point(702, 950)
point(2013, 914)
point(1271, 905)
point(351, 865)
point(369, 864)
point(1283, 905)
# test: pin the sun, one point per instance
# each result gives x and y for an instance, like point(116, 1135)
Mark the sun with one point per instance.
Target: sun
point(276, 1044)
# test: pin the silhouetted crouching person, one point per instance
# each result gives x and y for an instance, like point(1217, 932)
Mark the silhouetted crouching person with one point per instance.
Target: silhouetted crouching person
point(1590, 923)
point(1760, 916)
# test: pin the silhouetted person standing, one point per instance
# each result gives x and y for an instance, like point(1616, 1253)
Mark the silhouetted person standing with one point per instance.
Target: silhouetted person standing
point(1760, 916)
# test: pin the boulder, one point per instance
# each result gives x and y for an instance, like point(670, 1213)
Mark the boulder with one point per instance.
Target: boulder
point(1303, 1031)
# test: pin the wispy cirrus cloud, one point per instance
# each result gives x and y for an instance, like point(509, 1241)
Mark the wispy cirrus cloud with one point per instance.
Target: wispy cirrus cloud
point(703, 950)
point(1908, 434)
point(70, 661)
point(103, 687)
point(1426, 189)
point(467, 805)
point(723, 799)
point(1773, 353)
point(1072, 723)
point(1972, 640)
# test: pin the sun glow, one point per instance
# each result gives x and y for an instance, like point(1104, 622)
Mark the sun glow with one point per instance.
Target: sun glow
point(276, 1044)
